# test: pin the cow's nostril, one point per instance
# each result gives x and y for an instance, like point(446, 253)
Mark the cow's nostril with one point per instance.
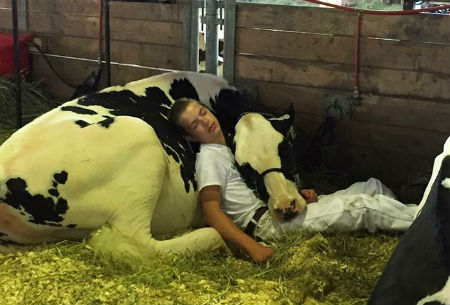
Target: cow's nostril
point(289, 213)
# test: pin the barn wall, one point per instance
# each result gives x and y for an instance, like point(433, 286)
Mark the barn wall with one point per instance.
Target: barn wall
point(295, 54)
point(145, 34)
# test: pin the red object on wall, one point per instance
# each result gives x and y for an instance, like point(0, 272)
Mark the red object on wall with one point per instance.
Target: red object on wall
point(7, 53)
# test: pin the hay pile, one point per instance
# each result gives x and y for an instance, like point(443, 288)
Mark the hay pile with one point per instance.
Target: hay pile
point(34, 101)
point(307, 269)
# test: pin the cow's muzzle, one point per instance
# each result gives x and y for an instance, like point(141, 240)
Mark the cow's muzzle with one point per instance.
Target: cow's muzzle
point(289, 212)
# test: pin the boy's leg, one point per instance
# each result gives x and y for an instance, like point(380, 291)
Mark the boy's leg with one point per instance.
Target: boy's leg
point(370, 187)
point(354, 212)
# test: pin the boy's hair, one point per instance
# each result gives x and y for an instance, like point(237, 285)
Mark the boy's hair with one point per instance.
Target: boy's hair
point(175, 112)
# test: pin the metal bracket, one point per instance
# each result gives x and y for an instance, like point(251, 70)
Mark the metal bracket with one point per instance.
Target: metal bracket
point(338, 104)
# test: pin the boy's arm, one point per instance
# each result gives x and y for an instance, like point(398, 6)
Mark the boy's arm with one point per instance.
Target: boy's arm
point(234, 237)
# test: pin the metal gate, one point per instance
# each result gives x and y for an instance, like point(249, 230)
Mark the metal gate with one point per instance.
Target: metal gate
point(213, 14)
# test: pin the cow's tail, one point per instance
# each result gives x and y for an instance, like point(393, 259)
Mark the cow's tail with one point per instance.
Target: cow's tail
point(141, 248)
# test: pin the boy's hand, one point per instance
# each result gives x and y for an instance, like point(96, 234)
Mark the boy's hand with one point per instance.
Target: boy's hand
point(310, 195)
point(262, 253)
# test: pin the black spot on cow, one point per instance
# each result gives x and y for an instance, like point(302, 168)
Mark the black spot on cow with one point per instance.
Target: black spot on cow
point(3, 235)
point(255, 181)
point(443, 215)
point(229, 106)
point(82, 123)
point(106, 122)
point(61, 206)
point(251, 179)
point(78, 110)
point(43, 210)
point(53, 192)
point(72, 225)
point(61, 177)
point(420, 265)
point(152, 108)
point(183, 88)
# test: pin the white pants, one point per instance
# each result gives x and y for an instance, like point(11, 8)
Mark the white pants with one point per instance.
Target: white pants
point(364, 205)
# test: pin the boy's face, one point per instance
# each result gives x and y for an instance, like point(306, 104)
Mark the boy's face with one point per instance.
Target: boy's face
point(200, 124)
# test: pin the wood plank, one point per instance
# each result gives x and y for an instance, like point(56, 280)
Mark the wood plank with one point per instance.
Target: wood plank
point(298, 19)
point(76, 71)
point(420, 27)
point(163, 33)
point(5, 4)
point(166, 57)
point(339, 76)
point(376, 109)
point(401, 55)
point(80, 7)
point(5, 19)
point(294, 72)
point(128, 10)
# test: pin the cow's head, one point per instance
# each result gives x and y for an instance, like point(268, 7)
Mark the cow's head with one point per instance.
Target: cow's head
point(265, 154)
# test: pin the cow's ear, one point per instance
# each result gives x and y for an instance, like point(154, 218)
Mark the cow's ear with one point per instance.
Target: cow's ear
point(291, 112)
point(284, 122)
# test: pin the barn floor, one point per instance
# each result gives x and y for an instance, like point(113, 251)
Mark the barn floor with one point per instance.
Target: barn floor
point(307, 269)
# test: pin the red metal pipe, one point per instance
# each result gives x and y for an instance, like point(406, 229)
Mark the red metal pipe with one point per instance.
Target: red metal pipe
point(373, 12)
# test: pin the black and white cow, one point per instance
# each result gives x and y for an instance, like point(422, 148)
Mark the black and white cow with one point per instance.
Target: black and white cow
point(109, 162)
point(419, 270)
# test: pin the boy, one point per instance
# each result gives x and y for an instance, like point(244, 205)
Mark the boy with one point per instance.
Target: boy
point(229, 205)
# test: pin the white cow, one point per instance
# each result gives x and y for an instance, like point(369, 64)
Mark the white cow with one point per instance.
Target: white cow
point(109, 163)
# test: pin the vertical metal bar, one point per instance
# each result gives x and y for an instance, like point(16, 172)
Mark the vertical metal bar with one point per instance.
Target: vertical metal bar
point(23, 20)
point(107, 45)
point(193, 64)
point(187, 36)
point(16, 63)
point(202, 6)
point(212, 40)
point(229, 40)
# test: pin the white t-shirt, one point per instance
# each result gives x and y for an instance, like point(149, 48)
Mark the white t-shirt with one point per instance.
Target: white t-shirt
point(215, 166)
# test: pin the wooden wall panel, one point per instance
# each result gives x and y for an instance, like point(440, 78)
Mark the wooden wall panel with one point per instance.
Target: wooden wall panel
point(296, 55)
point(126, 10)
point(373, 109)
point(143, 54)
point(5, 19)
point(337, 76)
point(296, 19)
point(405, 55)
point(132, 30)
point(144, 34)
point(421, 27)
point(76, 71)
